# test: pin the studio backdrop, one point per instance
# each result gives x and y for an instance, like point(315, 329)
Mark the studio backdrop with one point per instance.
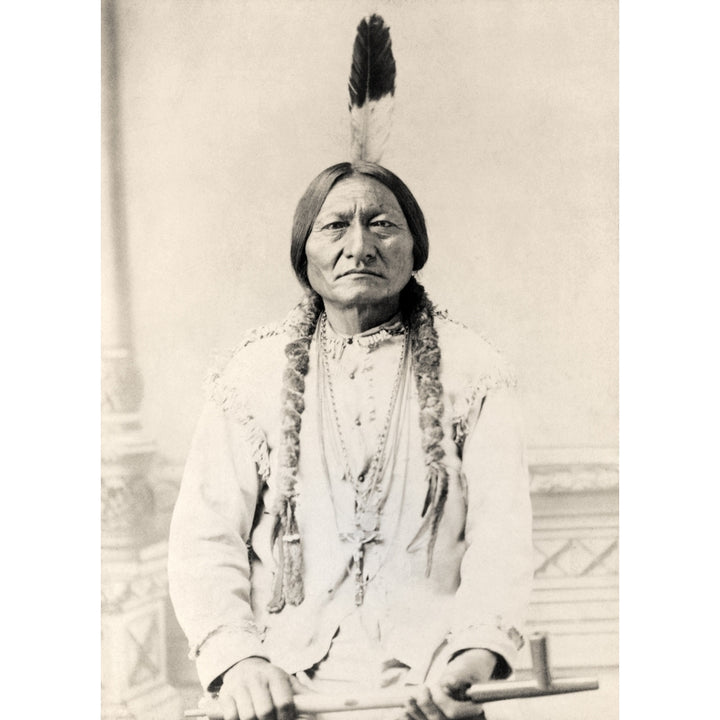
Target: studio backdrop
point(217, 114)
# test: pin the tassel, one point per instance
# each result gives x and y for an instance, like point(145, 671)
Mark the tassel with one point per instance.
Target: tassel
point(432, 479)
point(277, 602)
point(288, 582)
point(437, 511)
point(276, 530)
point(371, 87)
point(437, 481)
point(293, 588)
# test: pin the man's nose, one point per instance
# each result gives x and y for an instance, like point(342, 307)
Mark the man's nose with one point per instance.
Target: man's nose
point(359, 241)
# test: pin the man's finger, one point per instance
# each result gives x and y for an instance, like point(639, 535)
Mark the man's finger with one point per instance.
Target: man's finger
point(282, 697)
point(243, 701)
point(425, 704)
point(413, 711)
point(261, 698)
point(228, 707)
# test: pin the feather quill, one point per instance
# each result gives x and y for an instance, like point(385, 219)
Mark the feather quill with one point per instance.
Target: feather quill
point(372, 90)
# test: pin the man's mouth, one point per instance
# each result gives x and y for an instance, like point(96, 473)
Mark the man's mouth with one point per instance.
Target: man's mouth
point(360, 272)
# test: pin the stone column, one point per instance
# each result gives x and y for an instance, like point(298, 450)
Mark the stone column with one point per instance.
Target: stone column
point(134, 578)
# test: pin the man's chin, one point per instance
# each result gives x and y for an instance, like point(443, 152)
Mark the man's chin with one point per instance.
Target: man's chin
point(360, 297)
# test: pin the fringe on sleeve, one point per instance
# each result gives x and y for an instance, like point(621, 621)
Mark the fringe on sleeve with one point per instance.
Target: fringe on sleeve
point(466, 409)
point(228, 396)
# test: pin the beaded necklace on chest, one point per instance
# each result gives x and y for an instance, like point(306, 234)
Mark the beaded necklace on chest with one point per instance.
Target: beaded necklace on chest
point(367, 485)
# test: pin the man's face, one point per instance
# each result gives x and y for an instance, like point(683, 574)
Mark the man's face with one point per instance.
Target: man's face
point(359, 251)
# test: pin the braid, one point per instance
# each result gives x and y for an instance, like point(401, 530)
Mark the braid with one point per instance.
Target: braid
point(418, 312)
point(288, 584)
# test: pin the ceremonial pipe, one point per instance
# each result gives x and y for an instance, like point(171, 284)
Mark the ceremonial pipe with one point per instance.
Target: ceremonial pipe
point(540, 686)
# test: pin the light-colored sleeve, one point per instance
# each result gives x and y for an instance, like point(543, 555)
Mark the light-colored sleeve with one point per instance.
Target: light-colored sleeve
point(208, 565)
point(496, 570)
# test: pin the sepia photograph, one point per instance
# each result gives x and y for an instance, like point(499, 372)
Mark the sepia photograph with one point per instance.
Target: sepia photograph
point(360, 359)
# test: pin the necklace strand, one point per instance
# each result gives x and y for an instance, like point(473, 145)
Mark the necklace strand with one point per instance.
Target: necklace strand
point(335, 344)
point(368, 500)
point(362, 488)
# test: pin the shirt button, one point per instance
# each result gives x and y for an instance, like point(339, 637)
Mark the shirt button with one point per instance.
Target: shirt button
point(352, 375)
point(358, 422)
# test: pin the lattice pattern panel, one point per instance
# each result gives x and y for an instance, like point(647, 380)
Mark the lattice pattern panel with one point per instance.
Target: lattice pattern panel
point(144, 649)
point(576, 557)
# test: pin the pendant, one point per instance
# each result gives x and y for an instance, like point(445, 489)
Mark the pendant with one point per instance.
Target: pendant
point(368, 520)
point(361, 538)
point(358, 573)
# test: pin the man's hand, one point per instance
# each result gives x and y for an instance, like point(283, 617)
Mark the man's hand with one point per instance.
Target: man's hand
point(256, 690)
point(448, 698)
point(468, 668)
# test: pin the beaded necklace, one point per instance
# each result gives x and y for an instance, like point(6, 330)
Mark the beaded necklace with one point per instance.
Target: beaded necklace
point(367, 485)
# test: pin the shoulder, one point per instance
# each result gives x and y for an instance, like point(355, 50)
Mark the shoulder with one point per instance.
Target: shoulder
point(471, 368)
point(248, 380)
point(262, 349)
point(256, 353)
point(468, 357)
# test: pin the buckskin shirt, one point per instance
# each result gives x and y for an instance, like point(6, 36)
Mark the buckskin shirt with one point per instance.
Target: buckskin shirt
point(221, 565)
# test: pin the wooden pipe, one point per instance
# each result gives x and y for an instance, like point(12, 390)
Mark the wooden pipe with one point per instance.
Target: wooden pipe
point(540, 661)
point(541, 685)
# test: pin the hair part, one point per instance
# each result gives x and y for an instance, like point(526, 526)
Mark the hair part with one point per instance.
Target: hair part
point(314, 197)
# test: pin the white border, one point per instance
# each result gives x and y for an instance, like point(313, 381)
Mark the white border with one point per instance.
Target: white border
point(669, 357)
point(50, 79)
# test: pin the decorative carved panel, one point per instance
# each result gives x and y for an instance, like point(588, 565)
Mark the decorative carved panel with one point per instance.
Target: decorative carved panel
point(575, 539)
point(576, 557)
point(144, 646)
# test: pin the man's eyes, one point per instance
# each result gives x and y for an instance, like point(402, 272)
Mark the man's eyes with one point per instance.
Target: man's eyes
point(340, 224)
